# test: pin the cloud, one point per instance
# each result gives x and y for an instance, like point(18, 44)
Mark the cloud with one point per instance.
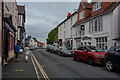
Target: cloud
point(42, 17)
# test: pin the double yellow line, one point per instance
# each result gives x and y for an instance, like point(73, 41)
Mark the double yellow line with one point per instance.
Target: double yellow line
point(40, 68)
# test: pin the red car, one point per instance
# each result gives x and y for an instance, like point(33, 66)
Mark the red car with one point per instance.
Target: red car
point(90, 54)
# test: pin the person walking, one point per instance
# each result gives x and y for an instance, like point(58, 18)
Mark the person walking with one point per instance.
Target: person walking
point(27, 52)
point(17, 51)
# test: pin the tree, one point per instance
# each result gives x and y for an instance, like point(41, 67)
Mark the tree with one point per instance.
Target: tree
point(52, 36)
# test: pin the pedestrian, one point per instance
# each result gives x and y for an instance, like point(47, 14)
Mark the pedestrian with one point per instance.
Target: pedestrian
point(27, 52)
point(17, 51)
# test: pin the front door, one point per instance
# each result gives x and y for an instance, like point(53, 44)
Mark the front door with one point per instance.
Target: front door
point(5, 44)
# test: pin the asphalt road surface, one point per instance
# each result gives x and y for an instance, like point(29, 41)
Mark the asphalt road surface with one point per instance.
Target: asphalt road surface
point(64, 67)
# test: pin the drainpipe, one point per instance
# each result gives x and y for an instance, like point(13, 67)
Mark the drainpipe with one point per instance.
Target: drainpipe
point(2, 30)
point(1, 50)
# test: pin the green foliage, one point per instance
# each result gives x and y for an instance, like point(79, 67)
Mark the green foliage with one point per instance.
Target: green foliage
point(52, 36)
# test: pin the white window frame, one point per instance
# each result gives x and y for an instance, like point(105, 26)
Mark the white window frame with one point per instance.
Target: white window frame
point(99, 25)
point(102, 43)
point(81, 15)
point(97, 6)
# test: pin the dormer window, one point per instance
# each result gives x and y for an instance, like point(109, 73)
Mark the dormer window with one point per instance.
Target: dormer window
point(81, 15)
point(97, 6)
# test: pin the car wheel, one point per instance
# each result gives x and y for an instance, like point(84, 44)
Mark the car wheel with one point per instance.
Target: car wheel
point(74, 58)
point(90, 61)
point(109, 65)
point(60, 54)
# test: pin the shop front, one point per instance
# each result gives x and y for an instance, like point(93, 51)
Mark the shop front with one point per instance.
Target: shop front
point(9, 33)
point(68, 42)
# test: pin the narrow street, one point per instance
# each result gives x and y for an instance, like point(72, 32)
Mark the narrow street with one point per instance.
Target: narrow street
point(64, 67)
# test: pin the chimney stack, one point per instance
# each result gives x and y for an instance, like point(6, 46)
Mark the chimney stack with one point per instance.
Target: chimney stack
point(69, 14)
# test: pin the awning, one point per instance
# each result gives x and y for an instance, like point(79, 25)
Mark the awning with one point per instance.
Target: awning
point(8, 23)
point(66, 40)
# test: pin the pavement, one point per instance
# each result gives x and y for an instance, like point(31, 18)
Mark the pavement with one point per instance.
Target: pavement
point(17, 70)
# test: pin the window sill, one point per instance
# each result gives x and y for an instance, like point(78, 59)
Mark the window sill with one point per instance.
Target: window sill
point(96, 10)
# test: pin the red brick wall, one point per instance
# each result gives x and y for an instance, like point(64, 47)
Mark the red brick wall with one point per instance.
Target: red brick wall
point(87, 13)
point(80, 9)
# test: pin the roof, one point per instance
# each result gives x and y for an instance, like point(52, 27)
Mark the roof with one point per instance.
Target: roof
point(106, 11)
point(67, 18)
point(86, 4)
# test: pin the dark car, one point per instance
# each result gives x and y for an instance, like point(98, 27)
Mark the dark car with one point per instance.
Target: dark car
point(54, 49)
point(112, 58)
point(91, 54)
point(49, 48)
point(63, 51)
point(32, 47)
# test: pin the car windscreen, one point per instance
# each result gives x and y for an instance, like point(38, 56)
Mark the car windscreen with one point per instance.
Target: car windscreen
point(117, 49)
point(56, 48)
point(64, 48)
point(96, 49)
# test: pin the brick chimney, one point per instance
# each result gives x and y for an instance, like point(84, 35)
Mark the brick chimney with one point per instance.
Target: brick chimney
point(69, 14)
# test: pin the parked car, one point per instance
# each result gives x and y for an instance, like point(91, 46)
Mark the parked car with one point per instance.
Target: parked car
point(91, 54)
point(43, 47)
point(32, 47)
point(38, 47)
point(63, 51)
point(112, 58)
point(54, 49)
point(49, 48)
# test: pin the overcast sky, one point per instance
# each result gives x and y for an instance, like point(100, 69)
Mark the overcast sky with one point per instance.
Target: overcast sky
point(42, 17)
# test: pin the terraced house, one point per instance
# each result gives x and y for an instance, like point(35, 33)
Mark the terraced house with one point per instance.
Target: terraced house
point(10, 26)
point(65, 30)
point(21, 25)
point(98, 24)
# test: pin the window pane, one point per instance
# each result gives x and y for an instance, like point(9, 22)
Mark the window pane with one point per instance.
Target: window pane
point(99, 24)
point(105, 47)
point(85, 43)
point(92, 26)
point(95, 23)
point(106, 39)
point(99, 3)
point(99, 39)
point(102, 39)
